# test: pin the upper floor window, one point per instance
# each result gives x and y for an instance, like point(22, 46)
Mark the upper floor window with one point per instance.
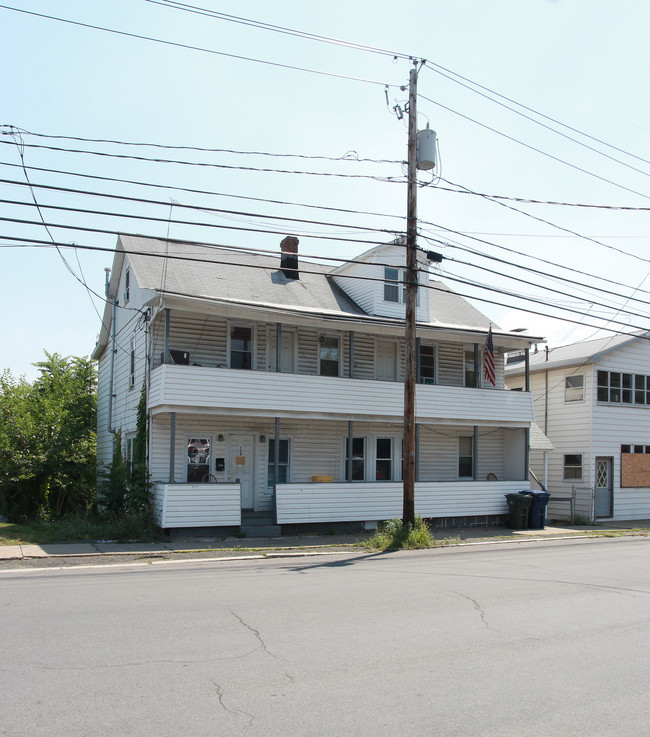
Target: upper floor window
point(427, 364)
point(619, 388)
point(241, 347)
point(395, 285)
point(391, 284)
point(132, 363)
point(127, 286)
point(574, 387)
point(469, 366)
point(328, 355)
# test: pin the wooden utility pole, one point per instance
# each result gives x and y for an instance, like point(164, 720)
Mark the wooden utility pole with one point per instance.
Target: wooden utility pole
point(408, 513)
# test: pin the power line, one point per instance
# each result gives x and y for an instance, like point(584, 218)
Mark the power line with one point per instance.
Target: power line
point(435, 67)
point(528, 201)
point(229, 167)
point(536, 122)
point(559, 227)
point(534, 148)
point(537, 312)
point(278, 29)
point(216, 210)
point(189, 47)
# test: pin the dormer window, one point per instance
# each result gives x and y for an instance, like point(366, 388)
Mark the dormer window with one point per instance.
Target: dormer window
point(391, 284)
point(395, 285)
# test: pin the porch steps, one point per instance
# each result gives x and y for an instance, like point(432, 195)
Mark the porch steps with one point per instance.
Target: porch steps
point(256, 524)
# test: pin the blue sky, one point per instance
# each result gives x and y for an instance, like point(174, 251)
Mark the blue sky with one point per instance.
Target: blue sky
point(585, 63)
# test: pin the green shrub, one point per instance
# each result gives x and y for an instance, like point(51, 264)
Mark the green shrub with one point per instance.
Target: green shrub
point(395, 535)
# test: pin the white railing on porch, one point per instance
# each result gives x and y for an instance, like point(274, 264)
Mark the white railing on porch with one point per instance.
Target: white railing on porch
point(358, 502)
point(197, 505)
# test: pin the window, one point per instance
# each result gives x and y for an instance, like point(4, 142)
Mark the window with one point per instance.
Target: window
point(466, 457)
point(132, 363)
point(427, 364)
point(328, 355)
point(617, 388)
point(129, 454)
point(384, 459)
point(574, 388)
point(198, 459)
point(391, 284)
point(358, 459)
point(127, 286)
point(573, 467)
point(469, 368)
point(241, 347)
point(283, 463)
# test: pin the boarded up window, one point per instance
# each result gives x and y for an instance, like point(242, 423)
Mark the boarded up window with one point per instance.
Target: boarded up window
point(635, 469)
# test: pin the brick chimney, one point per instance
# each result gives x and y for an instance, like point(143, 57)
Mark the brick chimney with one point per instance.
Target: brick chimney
point(289, 257)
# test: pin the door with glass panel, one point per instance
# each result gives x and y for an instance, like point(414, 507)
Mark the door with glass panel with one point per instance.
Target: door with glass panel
point(604, 488)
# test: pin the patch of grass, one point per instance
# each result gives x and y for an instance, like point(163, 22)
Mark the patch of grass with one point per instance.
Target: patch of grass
point(80, 527)
point(395, 535)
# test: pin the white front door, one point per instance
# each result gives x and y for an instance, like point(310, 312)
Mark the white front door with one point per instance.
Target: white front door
point(241, 467)
point(287, 352)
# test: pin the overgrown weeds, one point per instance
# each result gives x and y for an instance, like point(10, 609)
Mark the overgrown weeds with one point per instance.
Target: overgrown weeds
point(80, 527)
point(395, 535)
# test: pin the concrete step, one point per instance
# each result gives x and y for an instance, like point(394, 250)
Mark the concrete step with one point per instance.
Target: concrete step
point(261, 530)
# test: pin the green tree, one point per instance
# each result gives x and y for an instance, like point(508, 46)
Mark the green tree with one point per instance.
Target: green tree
point(139, 497)
point(47, 439)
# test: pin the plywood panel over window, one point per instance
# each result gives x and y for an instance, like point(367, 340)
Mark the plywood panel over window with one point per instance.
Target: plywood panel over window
point(635, 469)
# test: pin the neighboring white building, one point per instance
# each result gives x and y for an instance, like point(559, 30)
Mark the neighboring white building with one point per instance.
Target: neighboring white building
point(592, 400)
point(243, 353)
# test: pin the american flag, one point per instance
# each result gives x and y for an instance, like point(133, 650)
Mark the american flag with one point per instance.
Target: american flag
point(488, 359)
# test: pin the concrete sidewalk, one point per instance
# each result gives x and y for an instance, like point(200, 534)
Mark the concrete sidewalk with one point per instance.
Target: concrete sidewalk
point(299, 543)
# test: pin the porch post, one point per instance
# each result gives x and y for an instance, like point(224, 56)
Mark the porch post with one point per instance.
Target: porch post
point(417, 451)
point(278, 346)
point(172, 447)
point(351, 371)
point(349, 464)
point(475, 449)
point(166, 345)
point(276, 467)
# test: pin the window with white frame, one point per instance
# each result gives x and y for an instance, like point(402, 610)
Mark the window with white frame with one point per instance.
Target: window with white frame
point(427, 364)
point(469, 368)
point(129, 453)
point(127, 286)
point(573, 467)
point(198, 459)
point(132, 363)
point(283, 463)
point(329, 355)
point(391, 284)
point(383, 459)
point(466, 457)
point(241, 347)
point(574, 388)
point(358, 459)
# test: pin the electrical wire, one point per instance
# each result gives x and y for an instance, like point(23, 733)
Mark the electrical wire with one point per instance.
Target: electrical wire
point(190, 47)
point(227, 167)
point(432, 287)
point(351, 156)
point(534, 148)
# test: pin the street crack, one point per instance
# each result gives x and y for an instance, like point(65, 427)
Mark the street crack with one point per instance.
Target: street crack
point(234, 712)
point(477, 606)
point(262, 644)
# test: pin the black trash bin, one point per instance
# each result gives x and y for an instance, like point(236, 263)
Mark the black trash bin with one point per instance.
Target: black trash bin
point(518, 506)
point(537, 511)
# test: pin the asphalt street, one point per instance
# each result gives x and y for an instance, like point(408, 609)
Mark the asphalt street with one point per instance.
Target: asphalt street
point(546, 638)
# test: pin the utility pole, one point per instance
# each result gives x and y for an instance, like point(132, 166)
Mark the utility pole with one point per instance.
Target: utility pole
point(408, 513)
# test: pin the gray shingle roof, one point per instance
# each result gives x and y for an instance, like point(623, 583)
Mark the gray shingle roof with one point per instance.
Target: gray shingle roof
point(255, 278)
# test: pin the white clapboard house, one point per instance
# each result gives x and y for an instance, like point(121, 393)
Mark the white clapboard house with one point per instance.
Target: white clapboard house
point(275, 386)
point(592, 400)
